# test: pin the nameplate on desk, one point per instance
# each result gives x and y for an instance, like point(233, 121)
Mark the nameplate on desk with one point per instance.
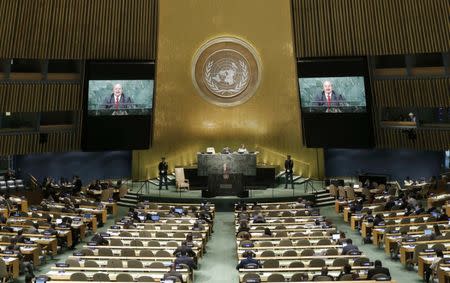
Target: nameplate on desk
point(225, 186)
point(103, 234)
point(92, 243)
point(61, 264)
point(115, 226)
point(47, 234)
point(76, 219)
point(410, 240)
point(8, 252)
point(78, 254)
point(367, 264)
point(446, 260)
point(428, 250)
point(29, 242)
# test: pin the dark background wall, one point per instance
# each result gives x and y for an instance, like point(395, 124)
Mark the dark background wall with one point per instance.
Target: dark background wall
point(396, 163)
point(87, 165)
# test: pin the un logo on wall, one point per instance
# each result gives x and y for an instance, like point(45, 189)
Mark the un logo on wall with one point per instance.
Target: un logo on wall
point(226, 71)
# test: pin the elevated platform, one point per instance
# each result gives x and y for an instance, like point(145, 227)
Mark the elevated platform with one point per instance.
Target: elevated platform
point(149, 191)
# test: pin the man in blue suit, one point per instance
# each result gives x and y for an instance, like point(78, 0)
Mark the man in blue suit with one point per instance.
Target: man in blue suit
point(248, 260)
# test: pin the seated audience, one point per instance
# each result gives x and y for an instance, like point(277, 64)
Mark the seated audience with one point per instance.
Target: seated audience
point(348, 246)
point(378, 269)
point(249, 260)
point(267, 232)
point(432, 269)
point(184, 249)
point(173, 274)
point(347, 270)
point(183, 258)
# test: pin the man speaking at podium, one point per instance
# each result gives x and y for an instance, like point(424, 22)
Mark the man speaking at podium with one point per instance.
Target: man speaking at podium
point(288, 166)
point(329, 99)
point(118, 101)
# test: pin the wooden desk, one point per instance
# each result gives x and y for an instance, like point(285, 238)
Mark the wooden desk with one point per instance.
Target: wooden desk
point(12, 265)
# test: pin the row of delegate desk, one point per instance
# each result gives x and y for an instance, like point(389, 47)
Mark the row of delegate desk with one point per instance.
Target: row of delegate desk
point(407, 236)
point(146, 249)
point(299, 245)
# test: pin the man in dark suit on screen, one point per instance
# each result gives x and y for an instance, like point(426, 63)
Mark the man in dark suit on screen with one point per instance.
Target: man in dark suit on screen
point(163, 167)
point(118, 101)
point(328, 99)
point(288, 166)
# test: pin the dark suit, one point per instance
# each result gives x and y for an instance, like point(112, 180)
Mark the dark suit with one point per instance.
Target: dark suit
point(378, 270)
point(186, 249)
point(124, 102)
point(186, 260)
point(289, 165)
point(247, 261)
point(173, 274)
point(348, 248)
point(336, 100)
point(163, 167)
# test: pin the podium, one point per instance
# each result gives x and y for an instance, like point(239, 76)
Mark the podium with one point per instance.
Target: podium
point(226, 172)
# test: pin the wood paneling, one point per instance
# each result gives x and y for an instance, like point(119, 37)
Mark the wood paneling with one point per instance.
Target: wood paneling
point(365, 27)
point(427, 139)
point(432, 92)
point(25, 143)
point(40, 96)
point(78, 29)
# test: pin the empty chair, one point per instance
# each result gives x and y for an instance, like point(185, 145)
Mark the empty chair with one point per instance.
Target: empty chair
point(265, 244)
point(340, 262)
point(100, 277)
point(303, 242)
point(114, 263)
point(105, 252)
point(90, 263)
point(72, 262)
point(251, 277)
point(317, 233)
point(381, 277)
point(289, 220)
point(331, 251)
point(317, 262)
point(360, 261)
point(153, 244)
point(322, 278)
point(296, 264)
point(127, 252)
point(323, 242)
point(418, 220)
point(145, 234)
point(124, 277)
point(392, 214)
point(146, 253)
point(299, 277)
point(115, 242)
point(347, 277)
point(405, 221)
point(281, 234)
point(275, 277)
point(290, 253)
point(78, 276)
point(157, 264)
point(404, 230)
point(161, 235)
point(273, 214)
point(283, 206)
point(280, 227)
point(431, 219)
point(162, 253)
point(299, 234)
point(172, 244)
point(439, 247)
point(136, 243)
point(6, 239)
point(422, 227)
point(146, 279)
point(300, 213)
point(179, 235)
point(285, 243)
point(267, 254)
point(133, 263)
point(286, 214)
point(307, 252)
point(271, 263)
point(166, 227)
point(125, 234)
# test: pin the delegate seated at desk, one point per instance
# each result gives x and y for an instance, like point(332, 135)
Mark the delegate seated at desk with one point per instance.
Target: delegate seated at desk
point(226, 150)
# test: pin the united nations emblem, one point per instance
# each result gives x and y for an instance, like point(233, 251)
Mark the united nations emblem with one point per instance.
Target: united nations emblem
point(226, 71)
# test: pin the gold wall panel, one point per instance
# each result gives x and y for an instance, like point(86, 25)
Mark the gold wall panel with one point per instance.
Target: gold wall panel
point(370, 27)
point(429, 139)
point(78, 29)
point(184, 123)
point(430, 92)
